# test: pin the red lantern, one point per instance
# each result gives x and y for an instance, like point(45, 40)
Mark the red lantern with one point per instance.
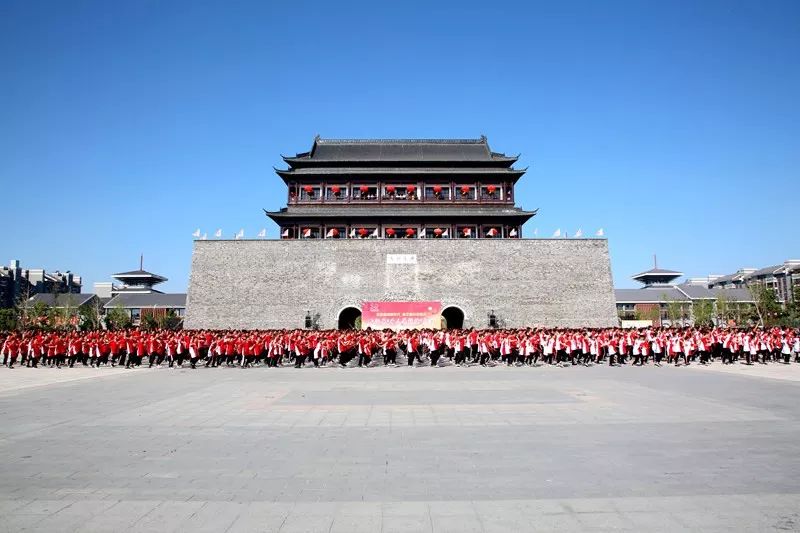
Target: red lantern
point(390, 232)
point(364, 189)
point(309, 189)
point(411, 189)
point(409, 231)
point(390, 189)
point(336, 190)
point(334, 232)
point(438, 232)
point(437, 189)
point(464, 190)
point(362, 231)
point(490, 189)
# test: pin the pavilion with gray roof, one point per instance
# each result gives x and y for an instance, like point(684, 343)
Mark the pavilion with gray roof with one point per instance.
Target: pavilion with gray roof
point(659, 292)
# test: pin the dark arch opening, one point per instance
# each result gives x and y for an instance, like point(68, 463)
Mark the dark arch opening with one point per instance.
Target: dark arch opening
point(348, 317)
point(453, 318)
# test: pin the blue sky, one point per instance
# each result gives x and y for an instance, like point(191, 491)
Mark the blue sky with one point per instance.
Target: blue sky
point(126, 125)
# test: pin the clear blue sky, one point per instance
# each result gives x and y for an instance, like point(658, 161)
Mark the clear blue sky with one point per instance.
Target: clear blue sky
point(126, 125)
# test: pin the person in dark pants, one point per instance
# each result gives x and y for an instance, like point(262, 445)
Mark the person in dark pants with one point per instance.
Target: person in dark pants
point(412, 350)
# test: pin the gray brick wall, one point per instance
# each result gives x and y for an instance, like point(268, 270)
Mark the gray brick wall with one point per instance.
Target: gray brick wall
point(254, 284)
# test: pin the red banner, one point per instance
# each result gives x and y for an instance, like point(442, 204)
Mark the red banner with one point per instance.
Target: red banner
point(401, 315)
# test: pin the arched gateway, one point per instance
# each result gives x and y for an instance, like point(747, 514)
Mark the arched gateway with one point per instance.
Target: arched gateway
point(453, 317)
point(348, 317)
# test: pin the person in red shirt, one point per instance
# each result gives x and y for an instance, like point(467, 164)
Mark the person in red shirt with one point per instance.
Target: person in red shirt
point(10, 351)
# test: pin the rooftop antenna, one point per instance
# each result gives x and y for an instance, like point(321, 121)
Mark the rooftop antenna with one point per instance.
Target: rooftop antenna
point(141, 262)
point(655, 261)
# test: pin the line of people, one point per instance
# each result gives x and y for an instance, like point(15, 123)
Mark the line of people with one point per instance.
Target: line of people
point(273, 348)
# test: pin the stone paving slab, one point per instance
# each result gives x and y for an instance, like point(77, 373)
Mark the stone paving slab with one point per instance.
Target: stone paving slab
point(421, 449)
point(790, 372)
point(687, 513)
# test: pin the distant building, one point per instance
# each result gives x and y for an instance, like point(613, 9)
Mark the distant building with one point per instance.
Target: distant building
point(660, 299)
point(138, 297)
point(17, 282)
point(780, 278)
point(65, 300)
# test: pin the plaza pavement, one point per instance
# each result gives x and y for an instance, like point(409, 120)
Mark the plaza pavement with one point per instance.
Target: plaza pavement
point(400, 449)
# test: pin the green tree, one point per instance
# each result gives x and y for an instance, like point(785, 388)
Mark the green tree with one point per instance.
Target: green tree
point(703, 312)
point(56, 318)
point(766, 306)
point(148, 322)
point(23, 307)
point(38, 316)
point(676, 312)
point(169, 320)
point(793, 308)
point(118, 318)
point(91, 315)
point(723, 308)
point(8, 319)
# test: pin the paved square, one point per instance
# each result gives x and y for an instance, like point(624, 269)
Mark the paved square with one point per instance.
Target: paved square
point(400, 449)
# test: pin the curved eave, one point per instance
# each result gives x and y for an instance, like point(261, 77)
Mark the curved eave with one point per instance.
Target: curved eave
point(670, 274)
point(294, 160)
point(510, 159)
point(307, 163)
point(284, 215)
point(288, 175)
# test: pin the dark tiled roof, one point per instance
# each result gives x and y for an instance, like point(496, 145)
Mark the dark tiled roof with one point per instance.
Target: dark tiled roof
point(659, 295)
point(129, 300)
point(724, 279)
point(63, 299)
point(313, 171)
point(696, 292)
point(658, 272)
point(733, 295)
point(426, 211)
point(766, 271)
point(138, 274)
point(135, 289)
point(400, 150)
point(683, 292)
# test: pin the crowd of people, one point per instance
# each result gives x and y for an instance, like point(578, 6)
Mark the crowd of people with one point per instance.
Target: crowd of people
point(488, 347)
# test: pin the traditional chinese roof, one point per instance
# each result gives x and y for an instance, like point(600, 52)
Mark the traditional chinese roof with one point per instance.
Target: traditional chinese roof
point(139, 276)
point(459, 151)
point(766, 271)
point(650, 295)
point(657, 276)
point(63, 299)
point(154, 299)
point(426, 211)
point(447, 173)
point(698, 292)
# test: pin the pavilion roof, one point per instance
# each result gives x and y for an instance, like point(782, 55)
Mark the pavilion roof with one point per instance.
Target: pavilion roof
point(139, 274)
point(658, 273)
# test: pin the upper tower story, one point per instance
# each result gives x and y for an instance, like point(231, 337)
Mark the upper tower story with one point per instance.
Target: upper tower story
point(457, 186)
